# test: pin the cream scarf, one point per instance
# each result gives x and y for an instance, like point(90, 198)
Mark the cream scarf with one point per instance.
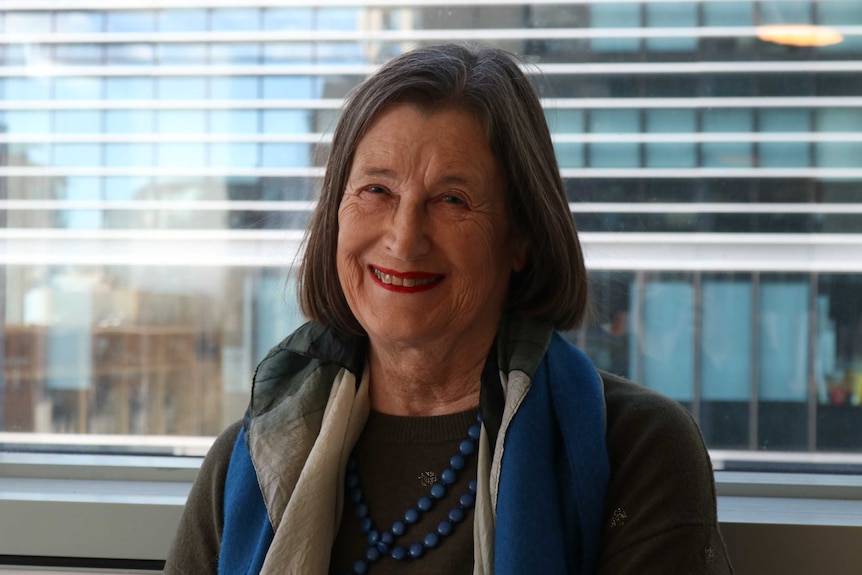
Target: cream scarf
point(306, 532)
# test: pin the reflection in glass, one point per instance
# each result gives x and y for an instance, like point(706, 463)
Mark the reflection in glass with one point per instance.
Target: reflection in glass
point(28, 122)
point(77, 88)
point(676, 154)
point(727, 365)
point(129, 121)
point(130, 21)
point(28, 22)
point(181, 155)
point(181, 88)
point(119, 155)
point(615, 15)
point(182, 54)
point(784, 154)
point(288, 18)
point(671, 16)
point(129, 88)
point(130, 54)
point(234, 155)
point(28, 89)
point(622, 155)
point(233, 121)
point(77, 121)
point(77, 155)
point(661, 340)
point(234, 88)
point(782, 325)
point(79, 22)
point(79, 54)
point(234, 19)
point(181, 121)
point(119, 350)
point(838, 363)
point(182, 20)
point(721, 154)
point(234, 53)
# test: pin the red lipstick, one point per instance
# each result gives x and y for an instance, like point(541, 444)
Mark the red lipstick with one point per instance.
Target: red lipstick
point(404, 282)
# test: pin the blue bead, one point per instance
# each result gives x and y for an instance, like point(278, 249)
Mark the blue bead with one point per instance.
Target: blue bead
point(425, 503)
point(456, 515)
point(445, 528)
point(438, 491)
point(360, 567)
point(431, 541)
point(399, 553)
point(411, 516)
point(479, 417)
point(361, 510)
point(355, 495)
point(449, 476)
point(398, 528)
point(458, 462)
point(467, 447)
point(387, 538)
point(475, 431)
point(472, 486)
point(416, 550)
point(365, 525)
point(352, 480)
point(373, 537)
point(383, 547)
point(372, 554)
point(467, 500)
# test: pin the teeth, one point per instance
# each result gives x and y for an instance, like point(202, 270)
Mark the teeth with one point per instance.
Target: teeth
point(389, 279)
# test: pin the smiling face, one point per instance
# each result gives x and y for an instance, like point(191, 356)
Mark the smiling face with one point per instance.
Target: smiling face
point(425, 249)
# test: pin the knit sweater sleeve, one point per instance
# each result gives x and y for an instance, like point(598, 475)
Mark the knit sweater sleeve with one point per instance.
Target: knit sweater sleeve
point(196, 545)
point(660, 512)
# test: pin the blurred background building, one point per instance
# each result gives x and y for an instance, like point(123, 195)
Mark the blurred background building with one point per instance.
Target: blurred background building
point(159, 165)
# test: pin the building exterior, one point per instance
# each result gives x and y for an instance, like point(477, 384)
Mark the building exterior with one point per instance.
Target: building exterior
point(160, 164)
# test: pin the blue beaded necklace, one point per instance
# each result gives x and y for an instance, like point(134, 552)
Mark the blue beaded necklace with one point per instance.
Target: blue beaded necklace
point(382, 543)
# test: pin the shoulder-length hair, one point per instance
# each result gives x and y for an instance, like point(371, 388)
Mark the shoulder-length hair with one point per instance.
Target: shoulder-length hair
point(490, 84)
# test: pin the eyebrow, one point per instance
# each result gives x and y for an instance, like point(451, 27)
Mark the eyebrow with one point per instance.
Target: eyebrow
point(455, 180)
point(386, 173)
point(377, 172)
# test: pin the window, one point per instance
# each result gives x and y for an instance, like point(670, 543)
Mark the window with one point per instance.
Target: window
point(158, 167)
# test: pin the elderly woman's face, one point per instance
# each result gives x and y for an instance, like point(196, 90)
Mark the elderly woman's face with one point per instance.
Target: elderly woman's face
point(425, 248)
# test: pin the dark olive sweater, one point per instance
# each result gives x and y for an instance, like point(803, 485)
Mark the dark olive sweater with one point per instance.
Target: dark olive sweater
point(660, 514)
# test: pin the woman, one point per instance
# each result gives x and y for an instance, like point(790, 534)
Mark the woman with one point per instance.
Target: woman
point(429, 419)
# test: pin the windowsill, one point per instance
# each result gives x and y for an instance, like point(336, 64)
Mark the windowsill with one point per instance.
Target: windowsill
point(126, 507)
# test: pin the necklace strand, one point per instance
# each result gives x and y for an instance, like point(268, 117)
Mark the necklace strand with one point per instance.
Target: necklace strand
point(381, 544)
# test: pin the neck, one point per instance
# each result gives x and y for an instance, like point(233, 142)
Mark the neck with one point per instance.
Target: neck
point(423, 380)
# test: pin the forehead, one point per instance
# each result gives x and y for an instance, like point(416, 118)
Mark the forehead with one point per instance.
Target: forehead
point(447, 138)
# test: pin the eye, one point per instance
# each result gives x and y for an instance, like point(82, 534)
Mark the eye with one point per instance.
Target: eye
point(453, 200)
point(376, 189)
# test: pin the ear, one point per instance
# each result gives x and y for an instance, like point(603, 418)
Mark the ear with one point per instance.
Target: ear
point(519, 254)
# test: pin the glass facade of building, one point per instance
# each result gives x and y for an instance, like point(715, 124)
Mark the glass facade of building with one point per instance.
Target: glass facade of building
point(158, 166)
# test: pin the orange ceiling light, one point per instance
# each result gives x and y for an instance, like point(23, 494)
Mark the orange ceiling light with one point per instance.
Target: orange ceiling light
point(799, 35)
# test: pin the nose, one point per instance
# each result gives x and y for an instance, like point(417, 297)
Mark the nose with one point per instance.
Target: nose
point(408, 237)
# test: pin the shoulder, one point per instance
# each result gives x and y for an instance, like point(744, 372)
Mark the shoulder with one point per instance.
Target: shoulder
point(638, 417)
point(196, 545)
point(218, 457)
point(650, 436)
point(661, 503)
point(208, 490)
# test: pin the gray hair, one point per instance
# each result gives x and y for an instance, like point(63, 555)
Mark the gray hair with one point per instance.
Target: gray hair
point(489, 83)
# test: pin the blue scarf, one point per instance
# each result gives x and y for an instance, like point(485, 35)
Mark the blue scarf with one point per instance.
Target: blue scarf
point(554, 467)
